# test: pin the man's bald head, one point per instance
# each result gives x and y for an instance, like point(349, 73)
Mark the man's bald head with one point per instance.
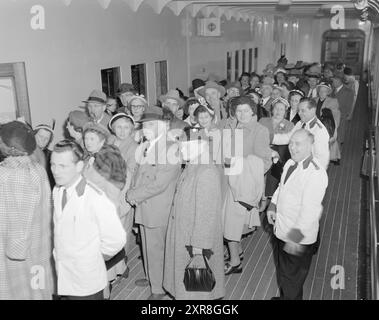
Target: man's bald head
point(300, 145)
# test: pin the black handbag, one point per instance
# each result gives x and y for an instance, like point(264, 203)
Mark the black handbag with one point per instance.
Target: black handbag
point(199, 279)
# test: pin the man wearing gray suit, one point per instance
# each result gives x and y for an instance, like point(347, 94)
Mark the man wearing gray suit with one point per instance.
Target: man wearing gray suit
point(345, 97)
point(153, 193)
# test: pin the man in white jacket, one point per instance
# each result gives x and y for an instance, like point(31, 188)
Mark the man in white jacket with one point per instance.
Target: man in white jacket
point(87, 229)
point(295, 211)
point(310, 122)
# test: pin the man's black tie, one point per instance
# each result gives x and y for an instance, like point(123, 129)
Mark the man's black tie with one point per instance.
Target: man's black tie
point(289, 171)
point(64, 198)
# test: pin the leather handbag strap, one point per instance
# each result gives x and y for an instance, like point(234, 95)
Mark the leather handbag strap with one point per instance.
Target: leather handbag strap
point(205, 262)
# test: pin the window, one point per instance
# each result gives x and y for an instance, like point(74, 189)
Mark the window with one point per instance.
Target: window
point(14, 100)
point(7, 99)
point(110, 81)
point(250, 60)
point(236, 65)
point(229, 66)
point(161, 78)
point(139, 78)
point(283, 49)
point(243, 60)
point(255, 59)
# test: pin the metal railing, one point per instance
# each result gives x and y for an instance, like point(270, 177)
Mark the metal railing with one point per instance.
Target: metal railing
point(373, 159)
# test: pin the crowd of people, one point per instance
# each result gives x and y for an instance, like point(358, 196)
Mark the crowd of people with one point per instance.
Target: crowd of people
point(189, 176)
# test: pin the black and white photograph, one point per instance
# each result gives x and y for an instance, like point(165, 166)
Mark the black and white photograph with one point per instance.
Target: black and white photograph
point(206, 151)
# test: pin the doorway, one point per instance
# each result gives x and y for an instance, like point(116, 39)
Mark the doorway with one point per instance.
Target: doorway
point(139, 78)
point(345, 46)
point(110, 81)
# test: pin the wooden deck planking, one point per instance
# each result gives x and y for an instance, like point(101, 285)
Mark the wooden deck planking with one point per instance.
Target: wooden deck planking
point(338, 246)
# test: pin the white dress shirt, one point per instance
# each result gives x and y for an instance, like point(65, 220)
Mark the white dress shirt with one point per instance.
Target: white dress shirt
point(86, 229)
point(299, 201)
point(321, 145)
point(312, 93)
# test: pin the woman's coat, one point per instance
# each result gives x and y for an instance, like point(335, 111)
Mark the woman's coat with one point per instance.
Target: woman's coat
point(196, 221)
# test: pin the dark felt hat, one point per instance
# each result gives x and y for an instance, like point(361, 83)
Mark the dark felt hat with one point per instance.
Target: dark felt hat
point(152, 113)
point(197, 83)
point(97, 96)
point(18, 135)
point(110, 164)
point(78, 119)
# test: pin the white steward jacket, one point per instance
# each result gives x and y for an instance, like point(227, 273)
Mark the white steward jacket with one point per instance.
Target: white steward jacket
point(299, 201)
point(87, 229)
point(321, 145)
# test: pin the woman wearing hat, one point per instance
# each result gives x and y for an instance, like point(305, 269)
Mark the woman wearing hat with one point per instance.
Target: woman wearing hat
point(106, 168)
point(205, 116)
point(255, 81)
point(277, 124)
point(257, 98)
point(280, 76)
point(324, 101)
point(44, 135)
point(276, 92)
point(195, 224)
point(189, 109)
point(286, 89)
point(232, 90)
point(76, 122)
point(137, 106)
point(244, 81)
point(171, 103)
point(122, 126)
point(294, 100)
point(254, 143)
point(25, 218)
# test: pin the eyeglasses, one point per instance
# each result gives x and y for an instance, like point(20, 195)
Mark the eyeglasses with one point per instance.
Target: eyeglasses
point(138, 107)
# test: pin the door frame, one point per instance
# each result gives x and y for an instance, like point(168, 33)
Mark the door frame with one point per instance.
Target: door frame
point(17, 72)
point(349, 34)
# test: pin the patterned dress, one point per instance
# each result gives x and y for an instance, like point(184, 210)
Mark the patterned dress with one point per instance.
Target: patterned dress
point(25, 230)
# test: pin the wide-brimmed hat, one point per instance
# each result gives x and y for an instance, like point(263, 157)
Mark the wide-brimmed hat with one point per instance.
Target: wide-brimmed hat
point(98, 128)
point(125, 87)
point(300, 64)
point(212, 85)
point(152, 114)
point(314, 69)
point(282, 100)
point(139, 97)
point(44, 127)
point(78, 119)
point(269, 70)
point(255, 91)
point(294, 72)
point(119, 116)
point(19, 136)
point(297, 91)
point(280, 70)
point(289, 66)
point(235, 85)
point(313, 75)
point(325, 85)
point(97, 96)
point(172, 94)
